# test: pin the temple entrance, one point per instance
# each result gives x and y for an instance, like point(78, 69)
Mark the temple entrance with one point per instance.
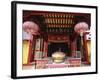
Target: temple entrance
point(53, 47)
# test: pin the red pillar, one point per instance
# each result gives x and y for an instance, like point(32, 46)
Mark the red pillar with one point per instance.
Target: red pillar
point(74, 48)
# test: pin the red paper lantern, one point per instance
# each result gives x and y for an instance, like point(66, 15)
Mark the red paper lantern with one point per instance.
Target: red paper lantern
point(81, 27)
point(31, 27)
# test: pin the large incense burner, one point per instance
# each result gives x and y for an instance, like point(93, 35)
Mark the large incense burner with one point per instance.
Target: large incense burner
point(58, 57)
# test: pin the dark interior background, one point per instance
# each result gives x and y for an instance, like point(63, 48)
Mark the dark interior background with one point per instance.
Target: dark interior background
point(53, 47)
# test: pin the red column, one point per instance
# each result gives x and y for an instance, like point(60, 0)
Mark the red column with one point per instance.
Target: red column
point(74, 48)
point(45, 48)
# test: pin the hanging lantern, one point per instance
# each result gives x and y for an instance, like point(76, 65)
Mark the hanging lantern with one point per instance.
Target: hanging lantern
point(31, 27)
point(81, 27)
